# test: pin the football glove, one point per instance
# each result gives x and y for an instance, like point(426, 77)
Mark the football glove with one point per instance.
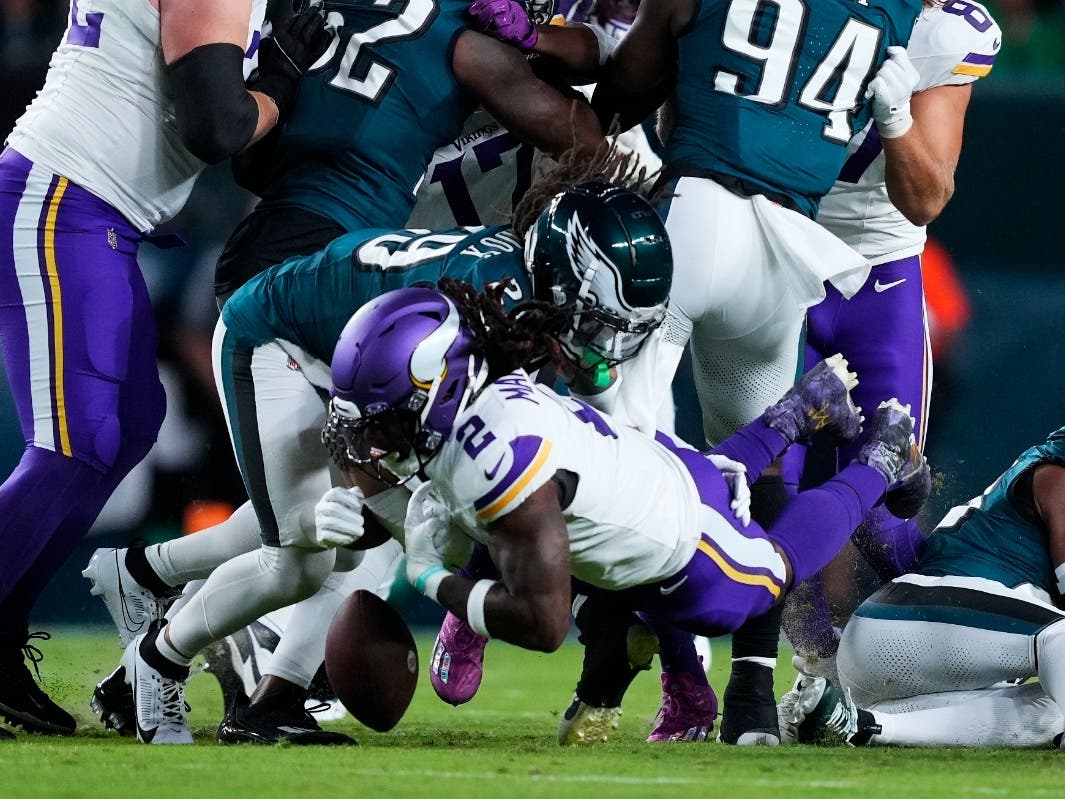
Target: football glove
point(338, 518)
point(428, 520)
point(890, 92)
point(292, 47)
point(505, 20)
point(735, 474)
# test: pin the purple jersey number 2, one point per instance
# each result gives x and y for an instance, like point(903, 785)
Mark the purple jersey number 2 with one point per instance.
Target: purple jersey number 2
point(87, 35)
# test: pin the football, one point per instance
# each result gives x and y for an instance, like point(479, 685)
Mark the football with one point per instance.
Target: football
point(371, 660)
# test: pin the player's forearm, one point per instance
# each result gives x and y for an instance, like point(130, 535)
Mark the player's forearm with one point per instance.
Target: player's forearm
point(918, 183)
point(573, 49)
point(528, 622)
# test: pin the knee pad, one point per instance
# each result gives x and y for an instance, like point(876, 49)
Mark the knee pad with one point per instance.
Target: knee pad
point(295, 573)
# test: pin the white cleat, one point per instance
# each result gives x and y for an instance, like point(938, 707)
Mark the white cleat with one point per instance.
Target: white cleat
point(132, 606)
point(158, 701)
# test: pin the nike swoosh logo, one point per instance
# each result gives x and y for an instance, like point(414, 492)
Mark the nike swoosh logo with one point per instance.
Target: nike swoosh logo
point(667, 591)
point(491, 475)
point(878, 286)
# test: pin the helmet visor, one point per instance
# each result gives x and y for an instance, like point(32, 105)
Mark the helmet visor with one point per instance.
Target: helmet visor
point(380, 444)
point(610, 337)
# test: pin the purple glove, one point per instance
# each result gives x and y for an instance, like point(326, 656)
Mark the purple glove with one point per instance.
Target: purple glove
point(505, 20)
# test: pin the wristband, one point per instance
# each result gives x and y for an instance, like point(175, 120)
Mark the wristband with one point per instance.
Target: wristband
point(1059, 572)
point(428, 582)
point(475, 606)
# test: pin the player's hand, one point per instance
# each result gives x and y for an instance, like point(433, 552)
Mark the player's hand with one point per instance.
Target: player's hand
point(427, 522)
point(338, 518)
point(297, 42)
point(735, 474)
point(890, 92)
point(505, 20)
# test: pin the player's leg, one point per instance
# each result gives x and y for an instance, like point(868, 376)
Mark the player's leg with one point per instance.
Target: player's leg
point(68, 365)
point(276, 710)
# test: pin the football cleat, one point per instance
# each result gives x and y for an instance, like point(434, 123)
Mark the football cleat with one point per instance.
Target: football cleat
point(158, 695)
point(280, 718)
point(112, 701)
point(750, 713)
point(822, 712)
point(22, 701)
point(908, 495)
point(820, 403)
point(457, 664)
point(688, 710)
point(132, 606)
point(583, 724)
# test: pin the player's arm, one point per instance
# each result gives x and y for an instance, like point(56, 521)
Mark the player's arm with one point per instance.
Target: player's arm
point(501, 78)
point(641, 71)
point(530, 606)
point(203, 45)
point(1048, 494)
point(920, 164)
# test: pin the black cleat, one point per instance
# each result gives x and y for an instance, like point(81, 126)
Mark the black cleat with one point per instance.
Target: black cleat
point(750, 707)
point(280, 718)
point(22, 702)
point(113, 702)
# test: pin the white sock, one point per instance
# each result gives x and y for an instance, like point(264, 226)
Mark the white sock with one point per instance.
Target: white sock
point(169, 652)
point(193, 557)
point(1013, 716)
point(243, 589)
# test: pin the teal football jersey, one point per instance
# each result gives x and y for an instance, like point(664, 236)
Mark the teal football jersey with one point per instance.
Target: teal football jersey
point(991, 537)
point(367, 121)
point(308, 300)
point(769, 92)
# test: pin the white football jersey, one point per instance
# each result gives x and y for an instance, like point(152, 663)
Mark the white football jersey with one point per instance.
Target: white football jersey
point(636, 514)
point(475, 179)
point(952, 44)
point(105, 117)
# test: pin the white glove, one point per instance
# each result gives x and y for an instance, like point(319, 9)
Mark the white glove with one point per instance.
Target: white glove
point(890, 92)
point(428, 520)
point(735, 474)
point(338, 518)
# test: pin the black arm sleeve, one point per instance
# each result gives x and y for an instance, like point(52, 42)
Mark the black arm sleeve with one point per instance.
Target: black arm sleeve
point(216, 117)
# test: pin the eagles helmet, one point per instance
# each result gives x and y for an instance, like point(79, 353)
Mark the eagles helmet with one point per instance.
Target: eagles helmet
point(603, 250)
point(403, 369)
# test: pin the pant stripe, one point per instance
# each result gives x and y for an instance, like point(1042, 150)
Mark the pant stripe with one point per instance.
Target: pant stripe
point(56, 304)
point(37, 304)
point(926, 380)
point(735, 574)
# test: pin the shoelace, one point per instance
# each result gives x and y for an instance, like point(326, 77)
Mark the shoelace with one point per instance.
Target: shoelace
point(174, 706)
point(32, 653)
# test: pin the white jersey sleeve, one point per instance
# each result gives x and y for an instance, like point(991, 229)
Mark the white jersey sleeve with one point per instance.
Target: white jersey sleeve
point(635, 515)
point(952, 44)
point(105, 117)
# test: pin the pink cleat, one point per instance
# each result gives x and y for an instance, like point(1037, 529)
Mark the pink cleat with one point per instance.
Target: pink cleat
point(688, 710)
point(457, 664)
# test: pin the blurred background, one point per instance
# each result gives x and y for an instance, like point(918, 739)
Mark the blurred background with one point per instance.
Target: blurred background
point(996, 284)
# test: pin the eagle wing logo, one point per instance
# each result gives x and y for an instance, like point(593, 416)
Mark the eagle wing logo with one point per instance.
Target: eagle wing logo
point(600, 281)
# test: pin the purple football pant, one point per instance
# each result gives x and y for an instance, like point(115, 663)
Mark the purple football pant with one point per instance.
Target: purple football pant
point(883, 333)
point(79, 342)
point(736, 572)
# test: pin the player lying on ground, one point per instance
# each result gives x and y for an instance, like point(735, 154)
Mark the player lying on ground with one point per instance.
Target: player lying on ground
point(935, 657)
point(270, 336)
point(557, 490)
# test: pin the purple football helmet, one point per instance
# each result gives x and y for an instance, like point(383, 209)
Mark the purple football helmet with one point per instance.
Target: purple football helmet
point(403, 369)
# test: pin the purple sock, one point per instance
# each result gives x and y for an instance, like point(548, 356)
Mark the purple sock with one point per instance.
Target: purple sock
point(817, 523)
point(891, 546)
point(756, 446)
point(678, 656)
point(808, 620)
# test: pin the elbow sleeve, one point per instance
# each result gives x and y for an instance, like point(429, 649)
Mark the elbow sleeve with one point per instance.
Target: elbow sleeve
point(216, 117)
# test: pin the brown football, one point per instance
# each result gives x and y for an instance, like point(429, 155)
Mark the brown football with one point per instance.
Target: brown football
point(371, 660)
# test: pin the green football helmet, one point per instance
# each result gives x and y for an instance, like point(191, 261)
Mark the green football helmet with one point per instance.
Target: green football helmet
point(604, 251)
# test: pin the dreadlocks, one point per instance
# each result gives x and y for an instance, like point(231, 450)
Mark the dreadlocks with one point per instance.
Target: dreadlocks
point(608, 164)
point(524, 338)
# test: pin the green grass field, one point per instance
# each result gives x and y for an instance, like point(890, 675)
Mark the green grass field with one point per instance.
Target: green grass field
point(502, 745)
